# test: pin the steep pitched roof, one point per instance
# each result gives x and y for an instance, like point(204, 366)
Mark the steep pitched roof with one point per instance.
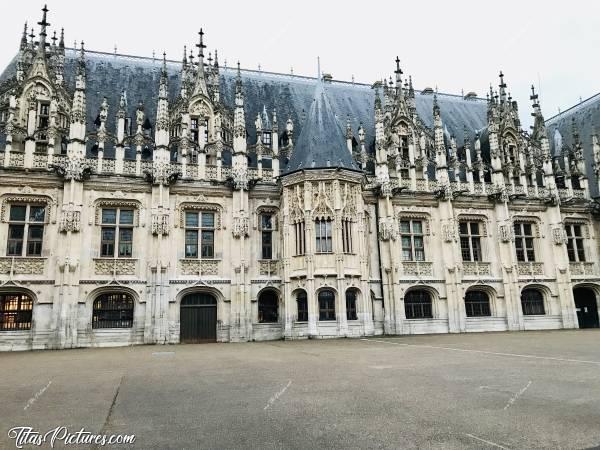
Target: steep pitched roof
point(291, 95)
point(586, 116)
point(322, 142)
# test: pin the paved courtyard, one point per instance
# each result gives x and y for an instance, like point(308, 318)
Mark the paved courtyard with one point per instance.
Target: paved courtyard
point(497, 390)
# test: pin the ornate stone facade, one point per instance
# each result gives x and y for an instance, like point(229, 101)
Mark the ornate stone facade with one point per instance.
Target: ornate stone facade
point(402, 222)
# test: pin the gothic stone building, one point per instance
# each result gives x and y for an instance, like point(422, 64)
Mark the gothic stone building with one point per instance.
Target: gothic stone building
point(151, 201)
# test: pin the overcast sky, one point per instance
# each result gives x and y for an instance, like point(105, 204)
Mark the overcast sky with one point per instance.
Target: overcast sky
point(455, 45)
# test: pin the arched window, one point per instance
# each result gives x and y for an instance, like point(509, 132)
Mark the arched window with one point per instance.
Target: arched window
point(477, 304)
point(114, 310)
point(267, 307)
point(302, 306)
point(15, 312)
point(532, 302)
point(326, 305)
point(351, 304)
point(417, 304)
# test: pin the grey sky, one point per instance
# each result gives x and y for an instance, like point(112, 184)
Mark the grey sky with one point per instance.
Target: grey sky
point(454, 45)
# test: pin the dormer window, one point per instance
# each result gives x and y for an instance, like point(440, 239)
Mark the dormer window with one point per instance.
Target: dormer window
point(127, 125)
point(266, 138)
point(194, 131)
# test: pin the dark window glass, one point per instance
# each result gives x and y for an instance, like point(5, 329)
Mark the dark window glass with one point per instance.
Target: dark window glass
point(107, 242)
point(191, 243)
point(268, 307)
point(34, 240)
point(15, 240)
point(418, 305)
point(113, 310)
point(532, 302)
point(109, 216)
point(18, 213)
point(37, 213)
point(351, 305)
point(300, 238)
point(302, 307)
point(208, 243)
point(326, 305)
point(126, 217)
point(477, 304)
point(125, 242)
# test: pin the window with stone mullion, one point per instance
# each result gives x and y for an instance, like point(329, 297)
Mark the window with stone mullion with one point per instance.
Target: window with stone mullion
point(524, 243)
point(575, 240)
point(470, 241)
point(411, 238)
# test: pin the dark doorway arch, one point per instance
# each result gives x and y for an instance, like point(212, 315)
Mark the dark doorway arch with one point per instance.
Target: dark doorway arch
point(198, 318)
point(586, 307)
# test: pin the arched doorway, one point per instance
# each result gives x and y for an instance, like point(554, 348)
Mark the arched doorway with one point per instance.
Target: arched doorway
point(586, 307)
point(198, 318)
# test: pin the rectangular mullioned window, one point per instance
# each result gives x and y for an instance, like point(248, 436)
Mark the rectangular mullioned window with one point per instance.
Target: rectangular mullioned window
point(199, 234)
point(575, 241)
point(411, 237)
point(323, 239)
point(116, 239)
point(470, 241)
point(25, 230)
point(524, 241)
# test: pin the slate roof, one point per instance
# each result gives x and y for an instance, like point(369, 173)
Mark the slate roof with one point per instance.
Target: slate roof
point(587, 120)
point(322, 142)
point(291, 95)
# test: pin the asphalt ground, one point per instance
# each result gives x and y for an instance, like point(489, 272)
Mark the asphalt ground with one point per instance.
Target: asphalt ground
point(519, 390)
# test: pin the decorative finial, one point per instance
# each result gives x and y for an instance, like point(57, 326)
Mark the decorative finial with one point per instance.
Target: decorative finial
point(216, 58)
point(200, 44)
point(54, 39)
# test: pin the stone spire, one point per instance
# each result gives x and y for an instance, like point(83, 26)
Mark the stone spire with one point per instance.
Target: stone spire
point(239, 120)
point(162, 110)
point(200, 87)
point(78, 108)
point(502, 87)
point(43, 26)
point(23, 45)
point(398, 72)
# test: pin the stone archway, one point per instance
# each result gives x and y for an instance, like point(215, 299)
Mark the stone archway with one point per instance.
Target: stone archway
point(198, 318)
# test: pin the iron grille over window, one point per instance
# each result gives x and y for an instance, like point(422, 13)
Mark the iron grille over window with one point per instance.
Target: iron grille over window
point(266, 227)
point(524, 241)
point(477, 304)
point(302, 302)
point(267, 307)
point(113, 310)
point(15, 312)
point(575, 247)
point(351, 305)
point(417, 305)
point(326, 305)
point(470, 241)
point(411, 235)
point(25, 230)
point(532, 302)
point(117, 233)
point(199, 231)
point(323, 236)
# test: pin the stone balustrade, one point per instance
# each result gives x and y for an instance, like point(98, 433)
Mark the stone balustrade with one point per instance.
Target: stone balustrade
point(129, 167)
